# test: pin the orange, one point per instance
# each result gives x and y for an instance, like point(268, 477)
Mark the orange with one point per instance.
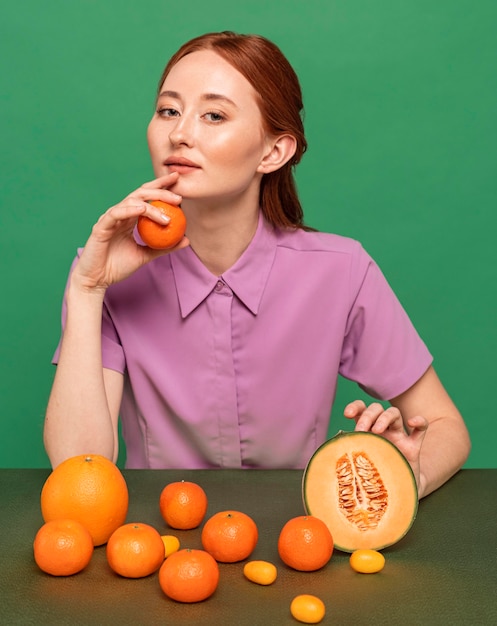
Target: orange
point(260, 572)
point(230, 536)
point(62, 547)
point(183, 505)
point(189, 575)
point(162, 236)
point(135, 550)
point(305, 543)
point(307, 609)
point(90, 489)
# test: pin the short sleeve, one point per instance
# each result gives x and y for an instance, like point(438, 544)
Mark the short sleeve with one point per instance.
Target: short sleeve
point(382, 350)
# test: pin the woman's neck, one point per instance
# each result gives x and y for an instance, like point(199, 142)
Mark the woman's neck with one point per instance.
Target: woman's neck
point(220, 236)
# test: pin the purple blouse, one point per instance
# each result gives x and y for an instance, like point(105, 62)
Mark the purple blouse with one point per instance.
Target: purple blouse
point(240, 370)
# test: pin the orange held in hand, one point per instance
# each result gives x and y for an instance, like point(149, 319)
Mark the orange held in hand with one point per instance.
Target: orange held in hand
point(183, 505)
point(62, 547)
point(162, 236)
point(305, 543)
point(189, 575)
point(135, 550)
point(90, 489)
point(230, 536)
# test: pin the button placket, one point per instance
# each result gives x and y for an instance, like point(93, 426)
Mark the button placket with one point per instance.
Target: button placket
point(224, 394)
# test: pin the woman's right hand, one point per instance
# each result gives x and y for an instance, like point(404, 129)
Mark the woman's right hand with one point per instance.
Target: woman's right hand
point(111, 252)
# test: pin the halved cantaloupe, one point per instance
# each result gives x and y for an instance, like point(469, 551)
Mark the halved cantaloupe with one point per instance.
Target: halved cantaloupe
point(363, 488)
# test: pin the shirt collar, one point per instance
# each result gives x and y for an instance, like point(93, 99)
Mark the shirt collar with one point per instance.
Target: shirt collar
point(247, 278)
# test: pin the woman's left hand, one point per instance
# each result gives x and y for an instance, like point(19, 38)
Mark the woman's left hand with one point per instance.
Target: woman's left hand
point(407, 437)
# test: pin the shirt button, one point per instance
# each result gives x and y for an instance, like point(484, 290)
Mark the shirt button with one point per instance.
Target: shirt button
point(219, 286)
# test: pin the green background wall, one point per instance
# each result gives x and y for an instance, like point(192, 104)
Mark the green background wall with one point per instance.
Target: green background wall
point(401, 101)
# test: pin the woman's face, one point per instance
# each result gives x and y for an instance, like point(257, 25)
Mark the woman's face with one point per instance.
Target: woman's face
point(208, 128)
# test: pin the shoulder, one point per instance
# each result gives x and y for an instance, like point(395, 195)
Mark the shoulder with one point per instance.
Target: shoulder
point(326, 245)
point(306, 240)
point(326, 260)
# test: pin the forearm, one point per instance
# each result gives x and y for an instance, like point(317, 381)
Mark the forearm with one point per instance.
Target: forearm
point(444, 438)
point(444, 451)
point(436, 443)
point(78, 418)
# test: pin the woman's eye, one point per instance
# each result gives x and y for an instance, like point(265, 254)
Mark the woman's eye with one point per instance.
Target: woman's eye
point(167, 112)
point(214, 117)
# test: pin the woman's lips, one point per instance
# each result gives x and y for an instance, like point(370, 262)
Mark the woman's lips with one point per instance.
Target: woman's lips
point(180, 165)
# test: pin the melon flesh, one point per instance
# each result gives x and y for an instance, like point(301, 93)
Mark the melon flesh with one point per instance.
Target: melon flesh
point(364, 490)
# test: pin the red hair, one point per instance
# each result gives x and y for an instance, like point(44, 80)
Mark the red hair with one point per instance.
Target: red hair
point(266, 68)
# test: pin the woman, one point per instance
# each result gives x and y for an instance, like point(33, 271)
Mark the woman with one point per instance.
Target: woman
point(225, 351)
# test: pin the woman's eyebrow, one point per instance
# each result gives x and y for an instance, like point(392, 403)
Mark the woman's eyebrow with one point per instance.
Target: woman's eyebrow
point(206, 96)
point(218, 96)
point(169, 94)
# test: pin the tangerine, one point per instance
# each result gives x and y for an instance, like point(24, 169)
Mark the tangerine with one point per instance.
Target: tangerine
point(88, 488)
point(183, 505)
point(230, 536)
point(307, 609)
point(162, 236)
point(62, 547)
point(305, 543)
point(189, 575)
point(135, 550)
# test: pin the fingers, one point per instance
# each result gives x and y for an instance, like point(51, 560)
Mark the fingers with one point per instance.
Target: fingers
point(158, 189)
point(164, 181)
point(377, 419)
point(365, 416)
point(353, 409)
point(125, 214)
point(417, 426)
point(121, 217)
point(374, 418)
point(138, 203)
point(389, 424)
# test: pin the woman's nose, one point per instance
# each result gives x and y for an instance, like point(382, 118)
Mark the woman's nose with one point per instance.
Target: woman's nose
point(182, 131)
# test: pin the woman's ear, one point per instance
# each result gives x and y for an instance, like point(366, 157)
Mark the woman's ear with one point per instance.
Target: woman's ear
point(280, 150)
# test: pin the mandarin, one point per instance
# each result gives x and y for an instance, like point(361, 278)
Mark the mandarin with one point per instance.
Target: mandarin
point(62, 547)
point(162, 236)
point(135, 550)
point(305, 543)
point(183, 505)
point(90, 489)
point(230, 536)
point(189, 575)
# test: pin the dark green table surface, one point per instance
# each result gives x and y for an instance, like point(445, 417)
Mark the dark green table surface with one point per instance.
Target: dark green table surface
point(443, 572)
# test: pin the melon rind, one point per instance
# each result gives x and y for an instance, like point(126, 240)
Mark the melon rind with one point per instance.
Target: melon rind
point(320, 491)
